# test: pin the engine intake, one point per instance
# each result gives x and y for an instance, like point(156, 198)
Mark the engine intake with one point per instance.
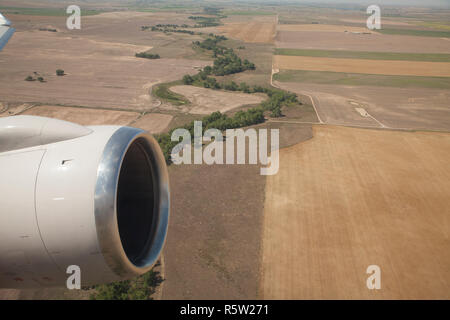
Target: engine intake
point(96, 197)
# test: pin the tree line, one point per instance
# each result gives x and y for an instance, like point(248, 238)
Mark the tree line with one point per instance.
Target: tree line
point(147, 55)
point(227, 62)
point(215, 120)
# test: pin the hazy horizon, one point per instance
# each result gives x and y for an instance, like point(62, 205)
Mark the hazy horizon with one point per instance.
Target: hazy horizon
point(403, 3)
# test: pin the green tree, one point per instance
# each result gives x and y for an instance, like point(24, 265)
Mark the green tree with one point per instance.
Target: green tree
point(140, 288)
point(187, 79)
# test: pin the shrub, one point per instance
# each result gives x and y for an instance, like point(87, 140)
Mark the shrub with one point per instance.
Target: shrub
point(60, 72)
point(140, 288)
point(147, 55)
point(188, 79)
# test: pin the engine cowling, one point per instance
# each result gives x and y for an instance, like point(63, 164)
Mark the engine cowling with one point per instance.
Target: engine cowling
point(95, 197)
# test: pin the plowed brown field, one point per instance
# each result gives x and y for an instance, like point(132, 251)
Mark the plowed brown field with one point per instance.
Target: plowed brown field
point(350, 198)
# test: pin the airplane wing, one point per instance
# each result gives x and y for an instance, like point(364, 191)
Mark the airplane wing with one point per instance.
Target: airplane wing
point(5, 31)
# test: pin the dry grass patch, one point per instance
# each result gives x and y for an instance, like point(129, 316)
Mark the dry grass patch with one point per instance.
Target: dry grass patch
point(206, 101)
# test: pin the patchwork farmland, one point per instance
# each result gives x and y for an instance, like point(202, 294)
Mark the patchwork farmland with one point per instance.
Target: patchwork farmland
point(364, 173)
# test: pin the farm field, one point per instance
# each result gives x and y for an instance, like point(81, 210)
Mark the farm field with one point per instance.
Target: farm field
point(153, 122)
point(414, 32)
point(321, 28)
point(384, 67)
point(432, 57)
point(257, 30)
point(360, 42)
point(408, 108)
point(350, 198)
point(359, 79)
point(358, 183)
point(84, 116)
point(206, 101)
point(99, 73)
point(214, 248)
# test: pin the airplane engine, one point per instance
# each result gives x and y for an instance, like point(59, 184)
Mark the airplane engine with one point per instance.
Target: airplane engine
point(94, 197)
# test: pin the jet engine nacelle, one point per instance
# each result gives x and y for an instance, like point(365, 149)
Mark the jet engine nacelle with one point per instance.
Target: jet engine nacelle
point(95, 197)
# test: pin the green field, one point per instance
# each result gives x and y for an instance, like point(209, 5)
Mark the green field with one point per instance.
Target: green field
point(250, 13)
point(356, 79)
point(414, 32)
point(434, 25)
point(434, 57)
point(43, 11)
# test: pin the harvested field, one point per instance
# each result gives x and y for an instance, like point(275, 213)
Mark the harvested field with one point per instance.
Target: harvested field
point(363, 22)
point(360, 42)
point(99, 73)
point(153, 122)
point(359, 79)
point(214, 245)
point(417, 32)
point(385, 67)
point(350, 198)
point(321, 28)
point(84, 116)
point(206, 101)
point(411, 108)
point(253, 31)
point(432, 57)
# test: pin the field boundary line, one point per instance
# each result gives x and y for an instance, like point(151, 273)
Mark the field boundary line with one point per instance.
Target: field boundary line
point(274, 71)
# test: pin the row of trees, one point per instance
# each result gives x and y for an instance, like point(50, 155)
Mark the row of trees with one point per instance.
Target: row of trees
point(215, 120)
point(140, 288)
point(277, 98)
point(205, 21)
point(226, 61)
point(211, 42)
point(166, 30)
point(147, 55)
